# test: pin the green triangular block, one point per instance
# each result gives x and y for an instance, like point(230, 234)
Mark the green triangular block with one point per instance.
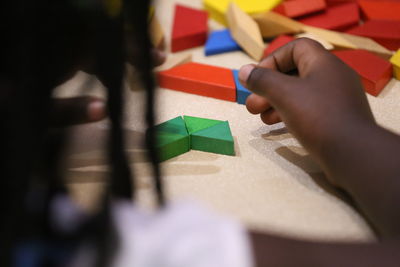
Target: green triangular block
point(195, 124)
point(172, 139)
point(216, 139)
point(175, 126)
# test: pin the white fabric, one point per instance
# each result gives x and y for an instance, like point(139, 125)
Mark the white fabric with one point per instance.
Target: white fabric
point(184, 234)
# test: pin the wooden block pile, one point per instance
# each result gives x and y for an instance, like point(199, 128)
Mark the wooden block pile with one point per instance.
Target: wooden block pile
point(363, 33)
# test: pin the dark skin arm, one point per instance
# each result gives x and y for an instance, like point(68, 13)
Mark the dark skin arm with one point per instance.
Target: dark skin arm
point(326, 109)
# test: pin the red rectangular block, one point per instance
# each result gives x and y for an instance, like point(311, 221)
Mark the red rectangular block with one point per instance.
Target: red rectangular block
point(200, 79)
point(380, 10)
point(276, 43)
point(374, 71)
point(384, 32)
point(189, 28)
point(338, 17)
point(297, 8)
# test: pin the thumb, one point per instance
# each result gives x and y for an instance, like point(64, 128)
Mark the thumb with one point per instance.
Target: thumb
point(269, 83)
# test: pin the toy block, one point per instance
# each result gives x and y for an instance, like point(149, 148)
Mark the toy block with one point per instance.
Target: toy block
point(156, 32)
point(189, 29)
point(339, 17)
point(195, 124)
point(172, 139)
point(200, 79)
point(324, 43)
point(272, 24)
point(218, 8)
point(242, 93)
point(277, 43)
point(220, 42)
point(174, 61)
point(298, 8)
point(349, 41)
point(216, 139)
point(245, 31)
point(384, 32)
point(380, 10)
point(374, 71)
point(395, 60)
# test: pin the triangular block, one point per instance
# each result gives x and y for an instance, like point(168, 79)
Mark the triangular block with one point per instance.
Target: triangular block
point(384, 32)
point(216, 139)
point(339, 17)
point(241, 92)
point(374, 71)
point(220, 42)
point(172, 139)
point(272, 24)
point(200, 79)
point(189, 29)
point(195, 124)
point(395, 60)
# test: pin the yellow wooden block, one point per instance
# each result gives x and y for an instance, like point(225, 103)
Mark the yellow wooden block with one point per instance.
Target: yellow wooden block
point(272, 24)
point(245, 31)
point(395, 60)
point(349, 41)
point(174, 61)
point(218, 8)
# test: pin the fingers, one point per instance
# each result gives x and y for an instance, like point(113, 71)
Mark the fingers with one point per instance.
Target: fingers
point(77, 110)
point(270, 117)
point(256, 104)
point(159, 56)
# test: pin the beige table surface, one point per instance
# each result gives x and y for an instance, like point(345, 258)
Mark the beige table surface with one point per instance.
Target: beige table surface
point(272, 184)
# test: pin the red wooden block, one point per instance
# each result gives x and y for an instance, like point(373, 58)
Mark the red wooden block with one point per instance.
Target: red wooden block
point(374, 71)
point(338, 17)
point(189, 29)
point(276, 43)
point(297, 8)
point(380, 10)
point(200, 79)
point(384, 32)
point(336, 2)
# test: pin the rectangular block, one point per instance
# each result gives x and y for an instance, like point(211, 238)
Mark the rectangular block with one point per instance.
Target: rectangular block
point(395, 60)
point(339, 17)
point(374, 71)
point(297, 8)
point(384, 32)
point(200, 79)
point(380, 10)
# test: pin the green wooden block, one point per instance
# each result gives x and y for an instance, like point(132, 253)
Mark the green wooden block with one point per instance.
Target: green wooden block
point(195, 124)
point(216, 139)
point(172, 139)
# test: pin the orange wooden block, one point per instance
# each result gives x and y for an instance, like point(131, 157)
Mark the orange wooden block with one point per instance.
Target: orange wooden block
point(190, 28)
point(381, 10)
point(339, 17)
point(384, 32)
point(200, 79)
point(276, 43)
point(374, 71)
point(297, 8)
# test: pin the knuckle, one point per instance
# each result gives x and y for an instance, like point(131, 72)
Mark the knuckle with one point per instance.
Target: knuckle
point(307, 43)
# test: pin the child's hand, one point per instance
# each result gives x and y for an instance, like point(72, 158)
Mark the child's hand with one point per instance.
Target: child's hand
point(324, 102)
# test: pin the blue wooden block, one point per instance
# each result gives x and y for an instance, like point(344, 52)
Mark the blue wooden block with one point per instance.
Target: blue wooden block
point(241, 92)
point(220, 42)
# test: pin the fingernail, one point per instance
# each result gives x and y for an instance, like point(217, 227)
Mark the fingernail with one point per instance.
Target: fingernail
point(244, 73)
point(96, 110)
